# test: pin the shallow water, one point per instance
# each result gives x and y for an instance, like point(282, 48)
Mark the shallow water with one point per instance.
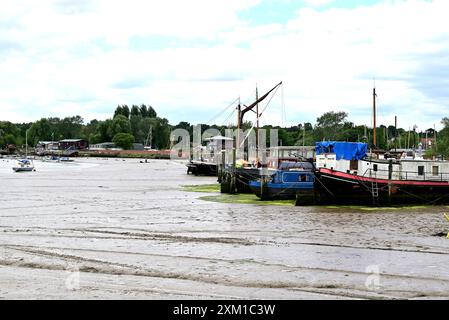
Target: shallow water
point(112, 228)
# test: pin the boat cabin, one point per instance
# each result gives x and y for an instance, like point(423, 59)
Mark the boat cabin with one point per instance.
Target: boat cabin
point(354, 158)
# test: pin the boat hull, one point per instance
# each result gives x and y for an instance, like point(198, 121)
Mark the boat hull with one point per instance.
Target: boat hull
point(281, 191)
point(19, 169)
point(202, 168)
point(344, 188)
point(243, 176)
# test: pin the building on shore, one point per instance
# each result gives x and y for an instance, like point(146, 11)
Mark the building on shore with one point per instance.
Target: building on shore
point(73, 144)
point(46, 147)
point(104, 146)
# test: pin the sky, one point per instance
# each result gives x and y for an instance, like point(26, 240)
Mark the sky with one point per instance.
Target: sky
point(191, 59)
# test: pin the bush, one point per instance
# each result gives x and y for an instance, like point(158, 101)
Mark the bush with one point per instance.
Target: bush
point(123, 140)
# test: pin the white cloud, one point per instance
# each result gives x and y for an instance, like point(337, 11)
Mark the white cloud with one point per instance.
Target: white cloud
point(317, 3)
point(65, 57)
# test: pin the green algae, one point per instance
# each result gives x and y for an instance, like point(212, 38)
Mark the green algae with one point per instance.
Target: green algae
point(233, 198)
point(207, 188)
point(253, 199)
point(247, 199)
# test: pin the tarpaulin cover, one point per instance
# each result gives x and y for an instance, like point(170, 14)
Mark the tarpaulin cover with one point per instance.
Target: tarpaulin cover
point(343, 150)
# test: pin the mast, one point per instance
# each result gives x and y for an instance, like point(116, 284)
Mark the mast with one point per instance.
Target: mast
point(435, 137)
point(257, 118)
point(395, 132)
point(374, 118)
point(251, 106)
point(239, 123)
point(304, 135)
point(26, 144)
point(149, 137)
point(241, 113)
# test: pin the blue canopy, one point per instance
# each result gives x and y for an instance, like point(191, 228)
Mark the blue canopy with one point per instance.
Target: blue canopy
point(343, 150)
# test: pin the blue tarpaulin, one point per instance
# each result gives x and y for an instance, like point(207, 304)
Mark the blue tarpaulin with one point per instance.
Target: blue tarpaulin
point(343, 150)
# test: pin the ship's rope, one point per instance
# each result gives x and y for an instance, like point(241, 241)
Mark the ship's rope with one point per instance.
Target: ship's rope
point(260, 115)
point(215, 117)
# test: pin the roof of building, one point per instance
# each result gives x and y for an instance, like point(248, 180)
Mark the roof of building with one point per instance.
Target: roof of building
point(72, 140)
point(219, 138)
point(104, 144)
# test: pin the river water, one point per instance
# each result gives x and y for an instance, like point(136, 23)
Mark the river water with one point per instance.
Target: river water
point(122, 229)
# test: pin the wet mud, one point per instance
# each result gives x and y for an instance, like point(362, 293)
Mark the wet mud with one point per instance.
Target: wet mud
point(108, 229)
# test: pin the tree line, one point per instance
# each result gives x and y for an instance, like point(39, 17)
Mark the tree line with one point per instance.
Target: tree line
point(138, 124)
point(141, 124)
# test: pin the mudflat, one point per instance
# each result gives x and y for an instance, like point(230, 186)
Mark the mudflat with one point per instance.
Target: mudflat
point(122, 229)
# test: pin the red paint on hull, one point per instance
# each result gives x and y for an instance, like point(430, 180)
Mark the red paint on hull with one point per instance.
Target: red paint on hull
point(356, 178)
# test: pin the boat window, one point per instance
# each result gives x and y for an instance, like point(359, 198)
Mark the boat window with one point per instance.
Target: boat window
point(303, 178)
point(420, 170)
point(375, 167)
point(353, 165)
point(435, 170)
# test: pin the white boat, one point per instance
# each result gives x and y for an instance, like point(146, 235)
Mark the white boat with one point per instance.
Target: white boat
point(24, 165)
point(65, 159)
point(58, 159)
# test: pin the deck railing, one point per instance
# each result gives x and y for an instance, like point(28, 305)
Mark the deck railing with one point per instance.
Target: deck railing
point(407, 175)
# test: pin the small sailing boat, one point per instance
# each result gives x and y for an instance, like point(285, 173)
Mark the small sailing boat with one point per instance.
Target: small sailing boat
point(25, 165)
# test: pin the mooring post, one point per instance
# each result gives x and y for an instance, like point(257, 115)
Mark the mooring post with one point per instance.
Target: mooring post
point(390, 177)
point(233, 173)
point(221, 167)
point(264, 177)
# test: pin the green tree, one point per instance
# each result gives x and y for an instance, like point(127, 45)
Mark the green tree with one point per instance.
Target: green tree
point(135, 111)
point(123, 140)
point(125, 111)
point(118, 111)
point(143, 111)
point(40, 131)
point(151, 112)
point(161, 133)
point(90, 132)
point(120, 124)
point(329, 125)
point(70, 127)
point(104, 130)
point(443, 138)
point(10, 133)
point(136, 131)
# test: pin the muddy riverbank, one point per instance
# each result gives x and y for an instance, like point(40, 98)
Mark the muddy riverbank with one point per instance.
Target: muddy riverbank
point(115, 228)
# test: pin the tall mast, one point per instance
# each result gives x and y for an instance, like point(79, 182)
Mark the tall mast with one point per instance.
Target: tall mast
point(374, 118)
point(395, 132)
point(304, 135)
point(257, 121)
point(257, 108)
point(254, 104)
point(239, 123)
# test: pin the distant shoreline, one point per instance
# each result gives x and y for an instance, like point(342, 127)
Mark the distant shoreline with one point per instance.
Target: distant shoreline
point(140, 154)
point(136, 154)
